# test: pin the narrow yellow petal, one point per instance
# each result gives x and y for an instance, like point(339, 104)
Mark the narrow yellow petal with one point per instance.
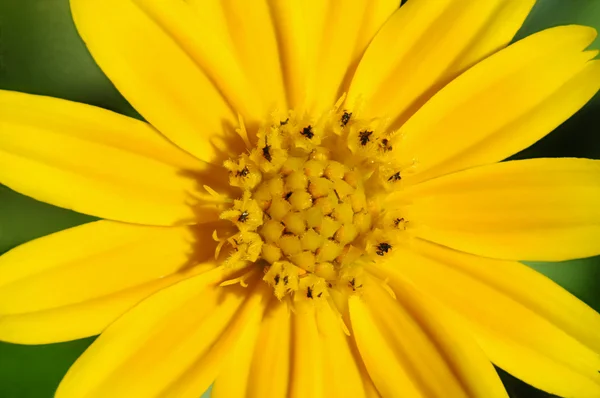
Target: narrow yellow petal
point(341, 365)
point(424, 45)
point(526, 324)
point(348, 31)
point(368, 385)
point(230, 354)
point(153, 62)
point(200, 28)
point(384, 367)
point(336, 48)
point(270, 371)
point(375, 15)
point(437, 358)
point(74, 283)
point(173, 342)
point(234, 379)
point(95, 161)
point(91, 260)
point(526, 286)
point(321, 43)
point(503, 104)
point(253, 34)
point(537, 209)
point(435, 352)
point(308, 370)
point(299, 25)
point(77, 320)
point(370, 390)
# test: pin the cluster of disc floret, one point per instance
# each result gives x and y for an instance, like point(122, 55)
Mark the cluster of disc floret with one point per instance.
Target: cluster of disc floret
point(310, 213)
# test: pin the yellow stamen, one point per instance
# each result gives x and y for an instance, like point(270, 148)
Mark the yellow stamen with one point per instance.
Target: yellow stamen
point(241, 279)
point(242, 132)
point(221, 241)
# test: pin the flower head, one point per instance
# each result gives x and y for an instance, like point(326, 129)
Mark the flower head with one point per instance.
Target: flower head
point(314, 206)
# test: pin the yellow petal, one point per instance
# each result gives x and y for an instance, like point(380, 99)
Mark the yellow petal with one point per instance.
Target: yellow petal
point(367, 382)
point(253, 33)
point(270, 371)
point(234, 379)
point(308, 369)
point(74, 283)
point(235, 344)
point(375, 15)
point(503, 104)
point(335, 51)
point(299, 24)
point(95, 161)
point(321, 42)
point(537, 209)
point(525, 323)
point(411, 347)
point(370, 390)
point(341, 365)
point(172, 343)
point(235, 43)
point(424, 45)
point(384, 368)
point(157, 60)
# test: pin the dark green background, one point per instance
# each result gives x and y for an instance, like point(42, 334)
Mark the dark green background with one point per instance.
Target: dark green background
point(40, 53)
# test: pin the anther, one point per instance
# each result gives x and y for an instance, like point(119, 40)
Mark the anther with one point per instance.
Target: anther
point(309, 292)
point(337, 195)
point(243, 217)
point(364, 137)
point(395, 177)
point(383, 248)
point(267, 151)
point(307, 132)
point(385, 145)
point(353, 285)
point(346, 118)
point(243, 172)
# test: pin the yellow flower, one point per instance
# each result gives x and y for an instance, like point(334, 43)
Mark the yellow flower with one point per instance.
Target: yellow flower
point(315, 205)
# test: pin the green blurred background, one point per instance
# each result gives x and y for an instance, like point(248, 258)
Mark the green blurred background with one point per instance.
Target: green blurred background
point(40, 53)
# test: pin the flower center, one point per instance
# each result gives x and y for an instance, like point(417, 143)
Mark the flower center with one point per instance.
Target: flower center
point(311, 212)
